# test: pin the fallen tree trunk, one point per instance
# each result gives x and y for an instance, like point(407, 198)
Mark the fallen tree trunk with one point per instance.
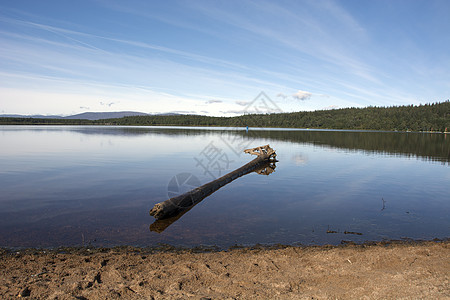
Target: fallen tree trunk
point(160, 225)
point(180, 204)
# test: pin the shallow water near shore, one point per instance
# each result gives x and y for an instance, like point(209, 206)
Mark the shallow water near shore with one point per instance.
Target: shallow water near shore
point(89, 185)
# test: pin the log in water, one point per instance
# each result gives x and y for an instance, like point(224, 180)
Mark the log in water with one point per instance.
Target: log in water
point(180, 204)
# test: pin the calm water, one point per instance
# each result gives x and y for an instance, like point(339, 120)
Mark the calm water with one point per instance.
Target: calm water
point(95, 185)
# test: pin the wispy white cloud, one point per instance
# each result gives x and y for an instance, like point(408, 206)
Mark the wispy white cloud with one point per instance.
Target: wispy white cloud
point(301, 30)
point(213, 101)
point(184, 112)
point(281, 95)
point(76, 36)
point(302, 95)
point(242, 103)
point(107, 104)
point(69, 60)
point(71, 34)
point(330, 107)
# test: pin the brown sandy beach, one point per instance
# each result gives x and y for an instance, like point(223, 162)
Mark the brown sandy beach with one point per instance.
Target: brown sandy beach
point(370, 271)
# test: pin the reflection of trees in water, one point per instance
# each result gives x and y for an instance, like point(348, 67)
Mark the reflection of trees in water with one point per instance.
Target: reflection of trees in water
point(135, 131)
point(435, 147)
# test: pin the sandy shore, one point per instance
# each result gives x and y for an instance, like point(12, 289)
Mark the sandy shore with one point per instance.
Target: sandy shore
point(377, 271)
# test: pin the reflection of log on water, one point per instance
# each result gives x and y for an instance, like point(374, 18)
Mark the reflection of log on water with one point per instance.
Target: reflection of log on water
point(172, 209)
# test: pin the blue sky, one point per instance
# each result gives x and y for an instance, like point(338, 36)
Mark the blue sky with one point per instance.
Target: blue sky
point(214, 57)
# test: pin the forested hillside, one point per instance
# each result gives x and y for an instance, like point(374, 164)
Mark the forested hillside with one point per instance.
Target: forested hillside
point(428, 117)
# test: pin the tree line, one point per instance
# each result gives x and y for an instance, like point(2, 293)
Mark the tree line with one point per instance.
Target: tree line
point(426, 117)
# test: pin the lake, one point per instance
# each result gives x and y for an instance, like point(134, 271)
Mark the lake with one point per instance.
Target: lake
point(94, 186)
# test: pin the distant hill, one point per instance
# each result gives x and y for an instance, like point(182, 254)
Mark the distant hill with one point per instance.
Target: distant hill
point(90, 115)
point(33, 116)
point(105, 115)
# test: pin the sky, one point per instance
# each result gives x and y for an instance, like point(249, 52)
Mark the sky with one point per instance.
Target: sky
point(218, 58)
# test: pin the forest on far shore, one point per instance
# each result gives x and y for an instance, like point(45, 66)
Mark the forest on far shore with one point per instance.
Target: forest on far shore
point(427, 117)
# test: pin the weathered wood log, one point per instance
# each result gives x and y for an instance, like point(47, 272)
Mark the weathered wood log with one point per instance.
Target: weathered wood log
point(180, 204)
point(161, 224)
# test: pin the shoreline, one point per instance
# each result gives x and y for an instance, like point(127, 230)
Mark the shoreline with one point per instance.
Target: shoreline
point(169, 248)
point(394, 269)
point(221, 127)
